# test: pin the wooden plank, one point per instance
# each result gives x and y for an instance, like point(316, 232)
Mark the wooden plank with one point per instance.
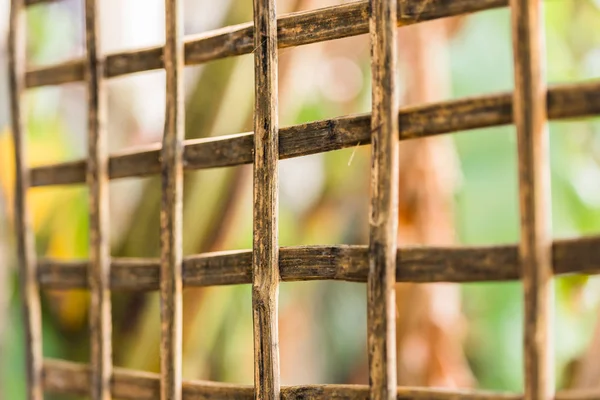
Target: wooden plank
point(293, 29)
point(63, 377)
point(28, 285)
point(97, 179)
point(342, 263)
point(265, 248)
point(567, 101)
point(29, 3)
point(171, 208)
point(534, 195)
point(383, 214)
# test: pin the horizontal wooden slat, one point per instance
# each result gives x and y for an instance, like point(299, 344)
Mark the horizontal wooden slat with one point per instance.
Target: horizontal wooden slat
point(70, 378)
point(294, 29)
point(34, 2)
point(566, 101)
point(343, 263)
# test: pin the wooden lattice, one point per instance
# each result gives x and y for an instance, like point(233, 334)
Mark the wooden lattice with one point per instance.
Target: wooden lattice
point(380, 264)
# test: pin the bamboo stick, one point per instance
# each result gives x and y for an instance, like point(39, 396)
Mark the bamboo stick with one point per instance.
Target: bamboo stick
point(530, 117)
point(344, 263)
point(383, 213)
point(97, 179)
point(28, 285)
point(172, 207)
point(565, 101)
point(293, 29)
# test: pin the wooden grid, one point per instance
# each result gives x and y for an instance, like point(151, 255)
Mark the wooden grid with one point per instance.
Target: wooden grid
point(380, 264)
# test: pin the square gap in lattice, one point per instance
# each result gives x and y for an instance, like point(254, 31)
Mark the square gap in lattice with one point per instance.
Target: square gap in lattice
point(494, 313)
point(219, 98)
point(572, 52)
point(575, 169)
point(217, 334)
point(326, 80)
point(322, 333)
point(485, 183)
point(134, 211)
point(217, 211)
point(135, 115)
point(55, 33)
point(486, 34)
point(137, 24)
point(324, 198)
point(136, 329)
point(576, 329)
point(56, 127)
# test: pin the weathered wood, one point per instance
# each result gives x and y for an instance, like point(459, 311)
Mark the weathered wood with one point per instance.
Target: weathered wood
point(344, 263)
point(97, 179)
point(34, 2)
point(566, 101)
point(70, 378)
point(265, 248)
point(383, 213)
point(294, 29)
point(171, 213)
point(28, 284)
point(530, 116)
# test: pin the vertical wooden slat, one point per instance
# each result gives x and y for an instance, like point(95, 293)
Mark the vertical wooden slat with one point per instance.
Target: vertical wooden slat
point(384, 202)
point(171, 212)
point(25, 240)
point(529, 108)
point(265, 271)
point(97, 179)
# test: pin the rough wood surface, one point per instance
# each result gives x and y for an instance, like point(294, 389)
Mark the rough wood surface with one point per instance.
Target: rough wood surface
point(171, 213)
point(566, 101)
point(344, 263)
point(383, 213)
point(28, 284)
point(530, 116)
point(265, 248)
point(97, 179)
point(72, 378)
point(294, 29)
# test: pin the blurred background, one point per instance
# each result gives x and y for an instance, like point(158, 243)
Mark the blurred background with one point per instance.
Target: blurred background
point(459, 189)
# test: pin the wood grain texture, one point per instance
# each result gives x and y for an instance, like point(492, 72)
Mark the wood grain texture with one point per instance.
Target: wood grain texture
point(265, 247)
point(171, 213)
point(27, 264)
point(343, 263)
point(530, 116)
point(70, 378)
point(293, 29)
point(383, 213)
point(97, 179)
point(566, 101)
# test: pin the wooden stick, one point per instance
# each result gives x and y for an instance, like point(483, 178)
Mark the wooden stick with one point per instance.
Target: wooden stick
point(265, 250)
point(534, 195)
point(97, 179)
point(34, 2)
point(28, 285)
point(70, 378)
point(383, 214)
point(344, 263)
point(294, 29)
point(171, 208)
point(568, 101)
